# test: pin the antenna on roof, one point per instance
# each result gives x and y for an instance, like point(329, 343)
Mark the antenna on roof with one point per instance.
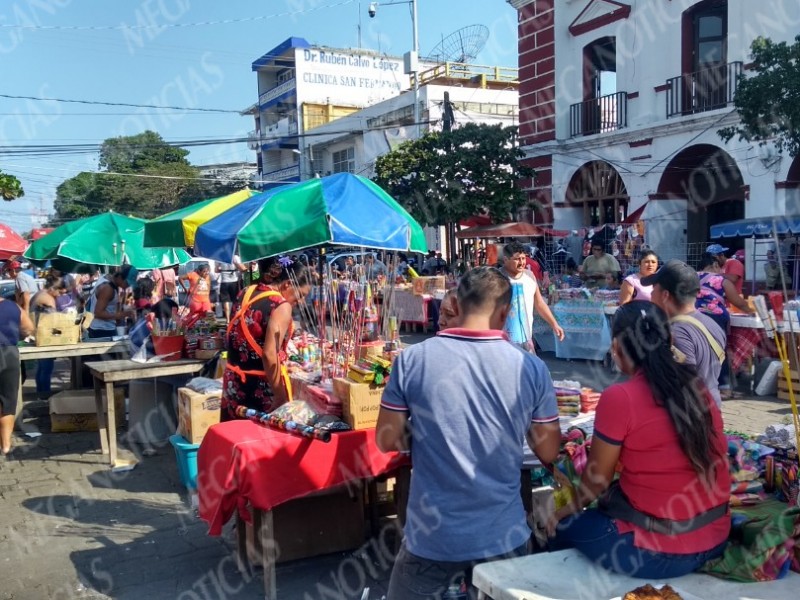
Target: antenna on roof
point(461, 46)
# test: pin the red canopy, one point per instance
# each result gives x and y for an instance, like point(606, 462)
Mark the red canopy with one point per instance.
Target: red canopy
point(476, 221)
point(508, 230)
point(40, 232)
point(11, 243)
point(634, 216)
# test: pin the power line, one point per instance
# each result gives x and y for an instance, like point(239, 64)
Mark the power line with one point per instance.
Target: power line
point(101, 103)
point(124, 26)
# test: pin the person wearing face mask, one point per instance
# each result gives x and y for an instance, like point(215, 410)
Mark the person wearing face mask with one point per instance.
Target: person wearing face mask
point(258, 333)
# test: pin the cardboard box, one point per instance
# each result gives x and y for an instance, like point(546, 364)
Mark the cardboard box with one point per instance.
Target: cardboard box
point(360, 402)
point(75, 410)
point(196, 413)
point(427, 285)
point(322, 523)
point(57, 329)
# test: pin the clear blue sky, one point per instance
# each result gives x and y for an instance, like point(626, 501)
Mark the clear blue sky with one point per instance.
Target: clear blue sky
point(165, 63)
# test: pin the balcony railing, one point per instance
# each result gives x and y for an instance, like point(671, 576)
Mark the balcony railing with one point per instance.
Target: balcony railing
point(599, 115)
point(704, 90)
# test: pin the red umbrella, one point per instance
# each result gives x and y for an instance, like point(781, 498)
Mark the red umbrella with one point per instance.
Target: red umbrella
point(40, 232)
point(11, 243)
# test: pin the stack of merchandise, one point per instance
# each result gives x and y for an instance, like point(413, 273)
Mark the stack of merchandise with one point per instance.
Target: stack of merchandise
point(589, 400)
point(568, 397)
point(607, 297)
point(574, 293)
point(204, 337)
point(781, 467)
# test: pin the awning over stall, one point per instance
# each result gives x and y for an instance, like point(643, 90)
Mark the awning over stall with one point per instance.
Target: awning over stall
point(760, 226)
point(521, 229)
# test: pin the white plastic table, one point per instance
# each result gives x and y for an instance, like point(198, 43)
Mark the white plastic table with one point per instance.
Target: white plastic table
point(568, 575)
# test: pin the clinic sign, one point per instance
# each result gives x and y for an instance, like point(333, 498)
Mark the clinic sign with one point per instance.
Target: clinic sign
point(348, 78)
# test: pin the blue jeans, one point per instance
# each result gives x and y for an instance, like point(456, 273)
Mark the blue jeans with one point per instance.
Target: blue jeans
point(44, 375)
point(596, 536)
point(417, 578)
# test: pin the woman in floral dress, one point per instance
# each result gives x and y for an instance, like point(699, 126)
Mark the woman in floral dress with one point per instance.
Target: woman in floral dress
point(260, 329)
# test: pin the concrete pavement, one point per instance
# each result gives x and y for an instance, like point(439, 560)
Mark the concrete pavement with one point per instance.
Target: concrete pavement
point(69, 528)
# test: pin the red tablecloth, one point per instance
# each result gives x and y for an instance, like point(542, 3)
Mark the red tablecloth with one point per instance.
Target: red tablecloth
point(243, 464)
point(743, 342)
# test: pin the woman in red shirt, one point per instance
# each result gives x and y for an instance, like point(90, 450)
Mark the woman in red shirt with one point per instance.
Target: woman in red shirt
point(668, 513)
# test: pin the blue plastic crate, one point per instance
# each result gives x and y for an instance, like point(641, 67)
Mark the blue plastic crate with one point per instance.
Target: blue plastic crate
point(186, 455)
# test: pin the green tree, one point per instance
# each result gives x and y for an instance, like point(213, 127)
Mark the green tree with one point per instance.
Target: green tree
point(443, 178)
point(10, 187)
point(75, 198)
point(769, 101)
point(140, 175)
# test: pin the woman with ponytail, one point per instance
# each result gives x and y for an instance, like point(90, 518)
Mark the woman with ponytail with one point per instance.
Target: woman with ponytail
point(258, 333)
point(667, 514)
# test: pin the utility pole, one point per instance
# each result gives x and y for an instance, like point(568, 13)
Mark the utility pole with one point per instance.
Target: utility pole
point(411, 58)
point(447, 114)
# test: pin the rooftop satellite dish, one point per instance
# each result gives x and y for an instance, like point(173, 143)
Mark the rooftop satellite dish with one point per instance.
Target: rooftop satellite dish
point(461, 46)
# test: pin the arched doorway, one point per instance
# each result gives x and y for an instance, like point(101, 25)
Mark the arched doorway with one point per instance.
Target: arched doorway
point(599, 189)
point(708, 178)
point(793, 176)
point(791, 188)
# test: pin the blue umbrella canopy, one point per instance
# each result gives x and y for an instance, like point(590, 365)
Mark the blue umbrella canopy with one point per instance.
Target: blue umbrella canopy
point(341, 209)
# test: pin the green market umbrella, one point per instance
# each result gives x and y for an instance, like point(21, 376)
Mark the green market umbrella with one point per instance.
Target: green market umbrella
point(340, 209)
point(108, 239)
point(177, 229)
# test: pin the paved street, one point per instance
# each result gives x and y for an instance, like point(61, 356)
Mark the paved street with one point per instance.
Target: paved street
point(71, 529)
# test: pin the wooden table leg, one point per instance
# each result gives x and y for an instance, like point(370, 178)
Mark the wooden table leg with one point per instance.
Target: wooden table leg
point(101, 415)
point(111, 423)
point(18, 412)
point(76, 376)
point(402, 484)
point(265, 534)
point(242, 561)
point(372, 507)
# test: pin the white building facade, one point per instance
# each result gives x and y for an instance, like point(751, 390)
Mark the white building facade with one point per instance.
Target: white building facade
point(620, 104)
point(300, 87)
point(353, 143)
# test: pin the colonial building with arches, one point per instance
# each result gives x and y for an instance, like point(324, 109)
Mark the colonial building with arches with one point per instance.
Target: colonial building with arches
point(620, 104)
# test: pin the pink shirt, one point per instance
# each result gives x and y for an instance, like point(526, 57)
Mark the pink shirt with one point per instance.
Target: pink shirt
point(640, 292)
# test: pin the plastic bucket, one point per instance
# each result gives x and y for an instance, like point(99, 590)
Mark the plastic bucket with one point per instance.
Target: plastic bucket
point(168, 346)
point(186, 455)
point(776, 300)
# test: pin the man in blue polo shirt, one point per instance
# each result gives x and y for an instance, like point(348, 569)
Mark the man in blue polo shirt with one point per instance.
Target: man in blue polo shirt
point(464, 402)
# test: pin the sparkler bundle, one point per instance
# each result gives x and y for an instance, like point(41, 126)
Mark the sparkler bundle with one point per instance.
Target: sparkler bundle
point(339, 318)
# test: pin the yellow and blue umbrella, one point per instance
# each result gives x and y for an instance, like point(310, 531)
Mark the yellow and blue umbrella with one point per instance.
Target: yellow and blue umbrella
point(177, 229)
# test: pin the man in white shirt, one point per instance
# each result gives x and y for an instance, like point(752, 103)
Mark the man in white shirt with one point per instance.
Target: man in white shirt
point(525, 299)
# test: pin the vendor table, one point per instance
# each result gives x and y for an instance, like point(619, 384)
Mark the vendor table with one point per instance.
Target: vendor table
point(412, 309)
point(568, 575)
point(587, 333)
point(75, 354)
point(109, 372)
point(242, 464)
point(746, 339)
